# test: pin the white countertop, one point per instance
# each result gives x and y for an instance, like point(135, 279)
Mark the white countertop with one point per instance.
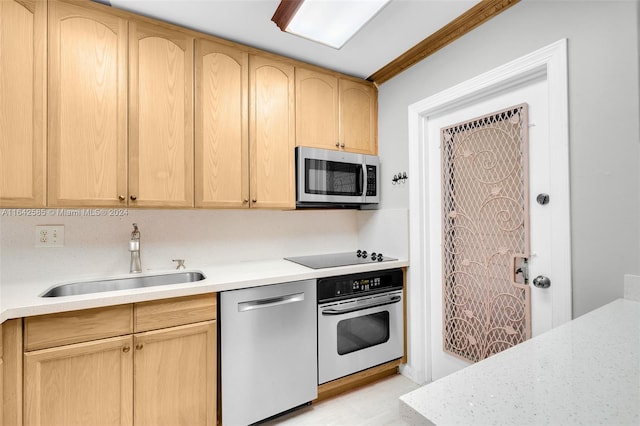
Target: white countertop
point(21, 299)
point(584, 372)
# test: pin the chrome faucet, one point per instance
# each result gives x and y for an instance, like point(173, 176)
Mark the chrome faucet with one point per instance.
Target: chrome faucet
point(134, 248)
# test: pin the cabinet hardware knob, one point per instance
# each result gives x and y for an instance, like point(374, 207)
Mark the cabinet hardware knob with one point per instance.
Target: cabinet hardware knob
point(121, 197)
point(139, 346)
point(245, 201)
point(341, 145)
point(126, 349)
point(337, 144)
point(133, 198)
point(254, 200)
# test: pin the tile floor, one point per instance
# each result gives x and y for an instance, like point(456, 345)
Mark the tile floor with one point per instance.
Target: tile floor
point(372, 405)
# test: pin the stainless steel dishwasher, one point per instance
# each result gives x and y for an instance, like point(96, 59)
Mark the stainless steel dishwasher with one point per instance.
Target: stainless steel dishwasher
point(268, 350)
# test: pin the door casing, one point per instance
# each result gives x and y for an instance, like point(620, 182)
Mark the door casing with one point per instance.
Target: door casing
point(548, 63)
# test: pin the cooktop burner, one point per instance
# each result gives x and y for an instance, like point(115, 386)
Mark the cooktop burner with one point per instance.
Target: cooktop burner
point(332, 260)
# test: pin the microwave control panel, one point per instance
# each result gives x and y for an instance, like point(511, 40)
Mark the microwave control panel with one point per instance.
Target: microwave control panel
point(371, 181)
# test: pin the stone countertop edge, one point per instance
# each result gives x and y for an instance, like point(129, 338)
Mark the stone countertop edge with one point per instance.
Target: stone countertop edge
point(586, 371)
point(22, 299)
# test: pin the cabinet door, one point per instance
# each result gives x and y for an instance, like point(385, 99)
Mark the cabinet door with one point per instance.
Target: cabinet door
point(175, 376)
point(161, 117)
point(82, 384)
point(222, 126)
point(316, 109)
point(23, 114)
point(358, 117)
point(272, 133)
point(87, 107)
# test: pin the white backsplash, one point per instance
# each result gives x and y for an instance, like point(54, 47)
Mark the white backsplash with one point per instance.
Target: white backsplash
point(99, 245)
point(384, 231)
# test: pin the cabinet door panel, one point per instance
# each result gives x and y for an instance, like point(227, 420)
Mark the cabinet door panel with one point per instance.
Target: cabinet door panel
point(222, 124)
point(175, 380)
point(316, 109)
point(82, 384)
point(358, 117)
point(87, 106)
point(22, 103)
point(161, 127)
point(272, 133)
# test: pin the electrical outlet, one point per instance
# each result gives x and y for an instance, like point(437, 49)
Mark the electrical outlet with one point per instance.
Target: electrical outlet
point(49, 236)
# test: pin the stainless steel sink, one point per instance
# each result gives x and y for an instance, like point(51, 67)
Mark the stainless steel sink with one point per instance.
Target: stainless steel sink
point(85, 287)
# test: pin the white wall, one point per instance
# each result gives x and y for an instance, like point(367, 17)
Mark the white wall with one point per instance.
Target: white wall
point(603, 112)
point(99, 245)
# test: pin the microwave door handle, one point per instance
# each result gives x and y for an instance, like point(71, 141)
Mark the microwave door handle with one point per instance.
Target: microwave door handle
point(361, 182)
point(335, 311)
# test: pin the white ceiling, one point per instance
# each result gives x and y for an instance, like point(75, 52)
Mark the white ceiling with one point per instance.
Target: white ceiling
point(398, 27)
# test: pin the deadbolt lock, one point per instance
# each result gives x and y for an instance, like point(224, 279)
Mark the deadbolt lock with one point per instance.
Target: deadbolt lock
point(542, 199)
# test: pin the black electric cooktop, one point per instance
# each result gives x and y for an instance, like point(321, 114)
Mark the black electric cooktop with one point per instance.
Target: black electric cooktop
point(332, 260)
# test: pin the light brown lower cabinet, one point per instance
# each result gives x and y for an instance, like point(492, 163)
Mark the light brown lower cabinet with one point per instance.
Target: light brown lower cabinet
point(161, 377)
point(149, 363)
point(11, 373)
point(87, 383)
point(1, 379)
point(175, 376)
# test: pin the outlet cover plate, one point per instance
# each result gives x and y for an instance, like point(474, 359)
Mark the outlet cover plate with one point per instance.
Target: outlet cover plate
point(49, 236)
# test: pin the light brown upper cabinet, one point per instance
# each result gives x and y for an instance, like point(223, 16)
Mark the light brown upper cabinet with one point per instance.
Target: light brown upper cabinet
point(316, 109)
point(161, 116)
point(23, 113)
point(335, 113)
point(222, 126)
point(358, 117)
point(271, 133)
point(87, 107)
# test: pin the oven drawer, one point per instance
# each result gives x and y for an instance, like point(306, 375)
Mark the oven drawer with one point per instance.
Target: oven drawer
point(357, 334)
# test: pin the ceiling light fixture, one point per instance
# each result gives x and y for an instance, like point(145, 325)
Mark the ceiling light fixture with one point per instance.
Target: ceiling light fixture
point(330, 22)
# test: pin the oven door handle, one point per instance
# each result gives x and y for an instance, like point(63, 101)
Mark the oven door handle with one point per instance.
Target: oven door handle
point(389, 301)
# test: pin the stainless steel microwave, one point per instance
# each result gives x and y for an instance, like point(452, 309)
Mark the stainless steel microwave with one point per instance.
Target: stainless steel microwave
point(326, 178)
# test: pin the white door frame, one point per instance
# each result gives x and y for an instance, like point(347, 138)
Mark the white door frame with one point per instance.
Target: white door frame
point(549, 63)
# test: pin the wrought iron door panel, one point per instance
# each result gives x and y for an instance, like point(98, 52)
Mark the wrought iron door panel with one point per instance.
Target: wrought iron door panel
point(486, 301)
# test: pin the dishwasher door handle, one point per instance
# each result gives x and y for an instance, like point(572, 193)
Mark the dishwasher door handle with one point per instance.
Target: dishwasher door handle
point(334, 311)
point(270, 302)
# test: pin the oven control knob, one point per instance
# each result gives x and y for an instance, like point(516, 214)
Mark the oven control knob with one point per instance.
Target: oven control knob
point(373, 255)
point(359, 253)
point(380, 257)
point(364, 254)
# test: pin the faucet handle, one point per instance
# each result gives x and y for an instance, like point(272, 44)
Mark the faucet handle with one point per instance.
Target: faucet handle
point(180, 263)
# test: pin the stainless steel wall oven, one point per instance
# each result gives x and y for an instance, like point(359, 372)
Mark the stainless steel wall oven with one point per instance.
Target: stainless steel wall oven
point(360, 322)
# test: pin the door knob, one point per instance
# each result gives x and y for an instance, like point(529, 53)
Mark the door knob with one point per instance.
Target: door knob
point(541, 282)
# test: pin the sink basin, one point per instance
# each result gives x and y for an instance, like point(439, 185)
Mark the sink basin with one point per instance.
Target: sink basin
point(86, 287)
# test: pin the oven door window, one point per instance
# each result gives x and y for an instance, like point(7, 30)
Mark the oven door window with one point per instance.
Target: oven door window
point(362, 332)
point(333, 178)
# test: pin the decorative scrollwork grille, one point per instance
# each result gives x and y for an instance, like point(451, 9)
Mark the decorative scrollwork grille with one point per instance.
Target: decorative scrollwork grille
point(486, 300)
